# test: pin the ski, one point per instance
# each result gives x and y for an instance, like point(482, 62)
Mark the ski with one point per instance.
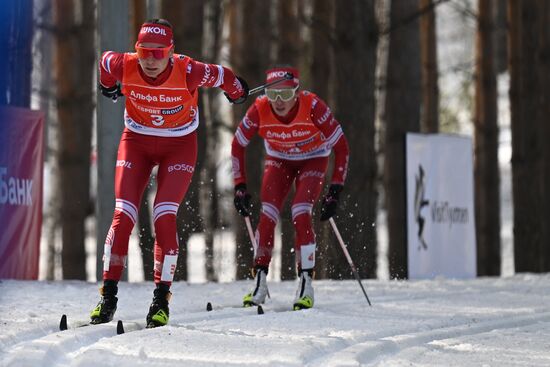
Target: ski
point(259, 308)
point(123, 327)
point(119, 327)
point(211, 313)
point(63, 325)
point(210, 308)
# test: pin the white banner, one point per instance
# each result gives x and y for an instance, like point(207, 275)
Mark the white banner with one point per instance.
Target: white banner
point(440, 206)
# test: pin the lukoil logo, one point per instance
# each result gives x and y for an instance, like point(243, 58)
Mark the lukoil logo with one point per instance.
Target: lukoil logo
point(324, 118)
point(123, 163)
point(154, 30)
point(276, 74)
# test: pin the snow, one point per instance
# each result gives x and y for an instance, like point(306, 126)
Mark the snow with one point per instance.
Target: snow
point(441, 322)
point(482, 322)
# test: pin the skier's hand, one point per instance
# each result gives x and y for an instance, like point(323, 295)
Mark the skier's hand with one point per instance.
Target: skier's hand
point(330, 201)
point(243, 96)
point(112, 92)
point(242, 200)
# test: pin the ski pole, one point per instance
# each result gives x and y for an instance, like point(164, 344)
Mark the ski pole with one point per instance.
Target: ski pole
point(251, 234)
point(287, 76)
point(350, 262)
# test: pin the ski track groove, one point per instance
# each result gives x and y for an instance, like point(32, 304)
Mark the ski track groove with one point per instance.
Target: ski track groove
point(49, 346)
point(376, 349)
point(9, 342)
point(54, 348)
point(53, 327)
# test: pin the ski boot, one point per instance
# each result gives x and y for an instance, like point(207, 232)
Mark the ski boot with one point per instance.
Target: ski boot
point(304, 294)
point(260, 291)
point(158, 311)
point(105, 309)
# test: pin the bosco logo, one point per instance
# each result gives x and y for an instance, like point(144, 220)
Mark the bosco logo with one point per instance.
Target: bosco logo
point(181, 167)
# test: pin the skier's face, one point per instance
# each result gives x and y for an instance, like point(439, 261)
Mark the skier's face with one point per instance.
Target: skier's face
point(282, 107)
point(153, 58)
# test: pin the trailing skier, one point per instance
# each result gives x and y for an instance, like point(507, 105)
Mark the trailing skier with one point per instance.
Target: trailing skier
point(299, 133)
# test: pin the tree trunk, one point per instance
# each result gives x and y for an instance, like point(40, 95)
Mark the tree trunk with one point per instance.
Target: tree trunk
point(355, 48)
point(213, 22)
point(138, 15)
point(288, 46)
point(75, 64)
point(487, 176)
point(250, 47)
point(403, 97)
point(526, 146)
point(146, 238)
point(188, 33)
point(113, 35)
point(544, 126)
point(46, 93)
point(428, 55)
point(322, 28)
point(500, 35)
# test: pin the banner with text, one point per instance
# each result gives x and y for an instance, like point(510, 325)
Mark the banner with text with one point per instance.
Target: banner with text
point(21, 165)
point(440, 206)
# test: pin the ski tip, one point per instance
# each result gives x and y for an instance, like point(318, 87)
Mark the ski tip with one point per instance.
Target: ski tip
point(119, 327)
point(260, 310)
point(209, 306)
point(63, 323)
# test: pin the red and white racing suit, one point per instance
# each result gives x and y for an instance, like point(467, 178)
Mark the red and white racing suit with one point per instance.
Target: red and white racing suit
point(161, 118)
point(297, 147)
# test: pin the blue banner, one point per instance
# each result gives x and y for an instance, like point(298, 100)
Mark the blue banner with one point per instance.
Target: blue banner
point(16, 31)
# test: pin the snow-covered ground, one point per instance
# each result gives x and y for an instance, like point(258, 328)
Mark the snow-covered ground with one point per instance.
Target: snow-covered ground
point(481, 322)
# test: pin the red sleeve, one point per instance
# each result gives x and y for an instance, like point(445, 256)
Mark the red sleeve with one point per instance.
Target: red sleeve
point(332, 131)
point(248, 127)
point(341, 160)
point(212, 75)
point(110, 68)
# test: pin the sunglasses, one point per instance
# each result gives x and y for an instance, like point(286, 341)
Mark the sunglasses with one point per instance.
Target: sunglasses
point(285, 94)
point(157, 53)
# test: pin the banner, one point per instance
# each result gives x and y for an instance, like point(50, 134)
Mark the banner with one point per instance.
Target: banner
point(440, 206)
point(21, 166)
point(16, 34)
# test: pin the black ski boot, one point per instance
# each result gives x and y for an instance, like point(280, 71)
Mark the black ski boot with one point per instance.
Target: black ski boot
point(105, 309)
point(158, 311)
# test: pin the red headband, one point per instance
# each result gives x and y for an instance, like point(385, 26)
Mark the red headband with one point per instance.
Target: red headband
point(279, 73)
point(155, 33)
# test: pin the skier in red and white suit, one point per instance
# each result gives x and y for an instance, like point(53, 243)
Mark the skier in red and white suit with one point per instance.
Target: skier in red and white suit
point(161, 118)
point(299, 133)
